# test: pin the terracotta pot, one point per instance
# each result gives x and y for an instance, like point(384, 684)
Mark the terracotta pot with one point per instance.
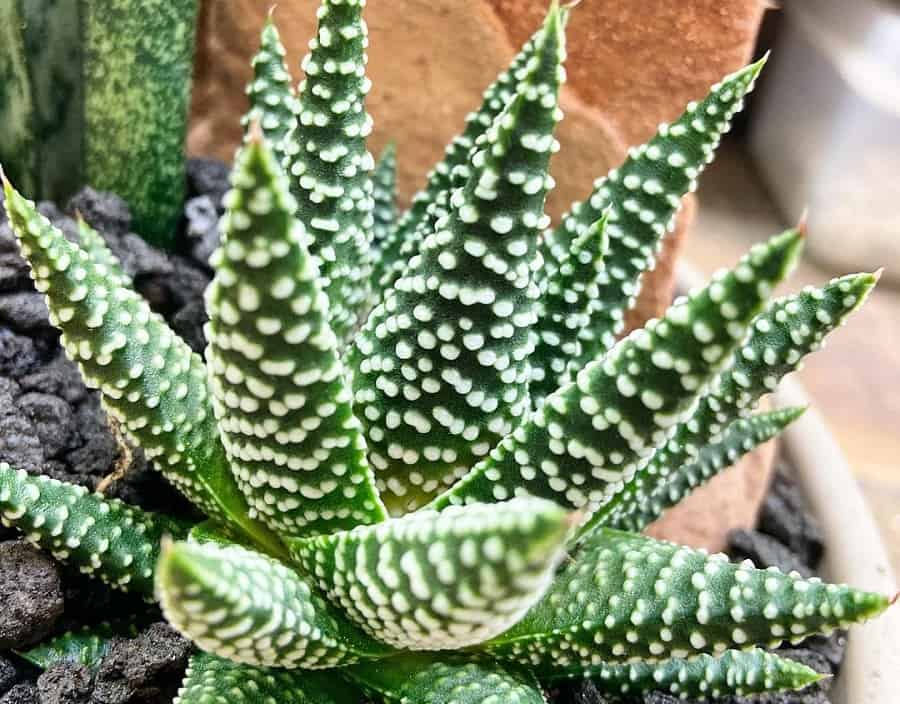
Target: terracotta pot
point(630, 66)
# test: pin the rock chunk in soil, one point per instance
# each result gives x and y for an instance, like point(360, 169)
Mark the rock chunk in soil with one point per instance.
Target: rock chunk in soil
point(9, 675)
point(30, 592)
point(764, 551)
point(208, 177)
point(65, 683)
point(143, 669)
point(105, 211)
point(25, 693)
point(202, 227)
point(785, 517)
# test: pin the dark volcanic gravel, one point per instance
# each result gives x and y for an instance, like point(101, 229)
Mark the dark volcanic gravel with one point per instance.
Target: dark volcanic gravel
point(30, 594)
point(50, 423)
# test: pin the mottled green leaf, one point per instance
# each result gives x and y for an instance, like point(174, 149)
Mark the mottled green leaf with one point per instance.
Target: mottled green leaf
point(625, 596)
point(104, 538)
point(278, 384)
point(594, 434)
point(441, 366)
point(441, 581)
point(249, 608)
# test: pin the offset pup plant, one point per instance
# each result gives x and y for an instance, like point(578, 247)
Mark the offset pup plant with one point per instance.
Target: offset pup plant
point(428, 474)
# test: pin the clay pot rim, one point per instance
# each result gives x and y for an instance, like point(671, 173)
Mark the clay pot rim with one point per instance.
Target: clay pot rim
point(856, 552)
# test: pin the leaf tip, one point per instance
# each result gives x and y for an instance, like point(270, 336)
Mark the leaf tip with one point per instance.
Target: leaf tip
point(877, 274)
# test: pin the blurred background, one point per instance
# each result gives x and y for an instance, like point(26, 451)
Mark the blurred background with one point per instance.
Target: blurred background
point(822, 131)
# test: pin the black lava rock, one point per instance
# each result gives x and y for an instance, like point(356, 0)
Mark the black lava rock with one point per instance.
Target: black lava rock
point(65, 683)
point(24, 310)
point(19, 354)
point(140, 259)
point(13, 269)
point(25, 693)
point(30, 592)
point(832, 648)
point(9, 675)
point(583, 692)
point(784, 516)
point(97, 450)
point(208, 177)
point(661, 698)
point(60, 377)
point(764, 551)
point(188, 323)
point(105, 212)
point(51, 419)
point(202, 228)
point(145, 669)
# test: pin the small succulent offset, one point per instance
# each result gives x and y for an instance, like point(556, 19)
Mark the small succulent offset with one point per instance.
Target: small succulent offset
point(425, 453)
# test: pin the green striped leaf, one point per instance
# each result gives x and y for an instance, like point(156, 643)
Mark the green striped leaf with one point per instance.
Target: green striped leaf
point(214, 680)
point(625, 596)
point(452, 170)
point(87, 646)
point(441, 366)
point(277, 382)
point(564, 310)
point(104, 538)
point(251, 609)
point(788, 330)
point(384, 196)
point(734, 672)
point(332, 180)
point(642, 197)
point(148, 377)
point(647, 501)
point(273, 101)
point(596, 433)
point(420, 679)
point(441, 581)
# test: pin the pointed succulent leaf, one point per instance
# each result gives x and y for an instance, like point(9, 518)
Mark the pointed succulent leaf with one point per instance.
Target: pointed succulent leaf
point(277, 381)
point(647, 496)
point(273, 102)
point(595, 433)
point(419, 679)
point(780, 337)
point(149, 378)
point(87, 646)
point(441, 366)
point(93, 243)
point(249, 608)
point(384, 195)
point(626, 596)
point(642, 197)
point(328, 161)
point(440, 581)
point(738, 673)
point(213, 680)
point(564, 310)
point(451, 171)
point(104, 538)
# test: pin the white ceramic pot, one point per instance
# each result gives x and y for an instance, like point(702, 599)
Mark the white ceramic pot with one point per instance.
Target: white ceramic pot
point(855, 552)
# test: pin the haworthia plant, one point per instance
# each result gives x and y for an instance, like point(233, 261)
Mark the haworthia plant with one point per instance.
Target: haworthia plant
point(273, 101)
point(328, 162)
point(97, 93)
point(780, 338)
point(490, 354)
point(441, 368)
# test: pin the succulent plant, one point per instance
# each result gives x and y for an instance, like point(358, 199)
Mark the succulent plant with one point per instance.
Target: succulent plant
point(441, 498)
